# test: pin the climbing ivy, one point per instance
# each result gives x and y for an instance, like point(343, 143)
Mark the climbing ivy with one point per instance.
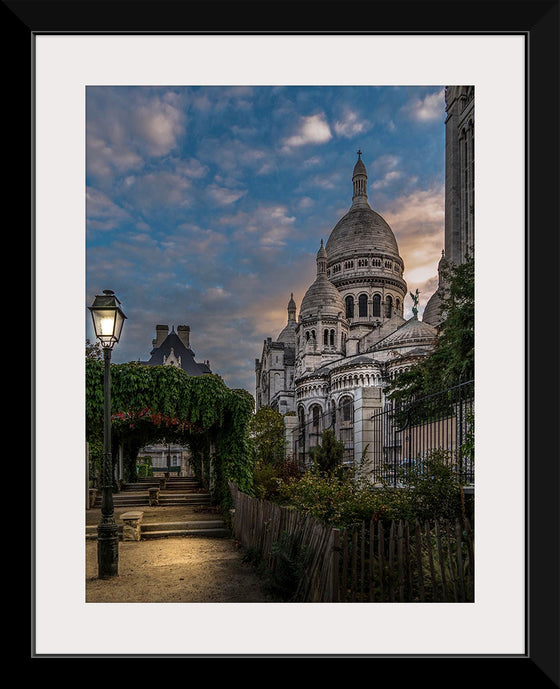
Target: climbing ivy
point(151, 404)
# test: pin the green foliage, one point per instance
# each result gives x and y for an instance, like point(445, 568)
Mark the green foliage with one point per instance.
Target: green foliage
point(153, 404)
point(431, 493)
point(267, 478)
point(144, 467)
point(328, 456)
point(467, 448)
point(267, 432)
point(330, 499)
point(288, 565)
point(452, 359)
point(433, 486)
point(93, 351)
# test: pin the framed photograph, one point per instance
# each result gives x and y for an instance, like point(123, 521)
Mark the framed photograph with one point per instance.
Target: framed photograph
point(111, 100)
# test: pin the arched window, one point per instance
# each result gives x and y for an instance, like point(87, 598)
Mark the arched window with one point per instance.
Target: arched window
point(389, 307)
point(325, 337)
point(398, 306)
point(349, 306)
point(362, 306)
point(346, 409)
point(315, 415)
point(377, 306)
point(307, 335)
point(332, 338)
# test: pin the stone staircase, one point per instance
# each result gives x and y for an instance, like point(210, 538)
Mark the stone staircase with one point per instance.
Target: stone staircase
point(204, 528)
point(176, 492)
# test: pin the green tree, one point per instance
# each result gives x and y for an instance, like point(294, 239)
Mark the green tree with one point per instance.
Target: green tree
point(93, 351)
point(452, 359)
point(329, 454)
point(266, 429)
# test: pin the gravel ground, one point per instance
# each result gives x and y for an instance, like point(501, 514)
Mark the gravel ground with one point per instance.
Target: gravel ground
point(173, 570)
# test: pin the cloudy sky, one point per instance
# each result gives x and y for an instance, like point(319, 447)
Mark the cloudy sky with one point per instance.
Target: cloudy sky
point(206, 205)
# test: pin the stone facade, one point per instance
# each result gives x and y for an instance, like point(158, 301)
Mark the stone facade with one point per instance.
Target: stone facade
point(330, 365)
point(459, 190)
point(459, 172)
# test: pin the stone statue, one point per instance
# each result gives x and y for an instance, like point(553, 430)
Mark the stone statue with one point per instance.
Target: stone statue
point(415, 296)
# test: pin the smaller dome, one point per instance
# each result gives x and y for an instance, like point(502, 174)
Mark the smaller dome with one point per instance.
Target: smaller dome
point(411, 332)
point(323, 296)
point(432, 310)
point(288, 335)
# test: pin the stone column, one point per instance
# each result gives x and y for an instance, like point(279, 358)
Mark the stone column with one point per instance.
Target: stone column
point(367, 440)
point(290, 428)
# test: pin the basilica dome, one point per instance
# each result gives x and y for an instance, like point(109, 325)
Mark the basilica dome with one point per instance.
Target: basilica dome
point(322, 296)
point(361, 231)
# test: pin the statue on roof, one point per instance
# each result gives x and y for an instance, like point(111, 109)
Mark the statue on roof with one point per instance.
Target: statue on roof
point(415, 297)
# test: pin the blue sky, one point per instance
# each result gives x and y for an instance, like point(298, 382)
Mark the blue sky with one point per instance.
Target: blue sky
point(206, 205)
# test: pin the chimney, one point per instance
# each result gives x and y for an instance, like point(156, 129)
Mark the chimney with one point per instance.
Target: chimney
point(161, 333)
point(184, 333)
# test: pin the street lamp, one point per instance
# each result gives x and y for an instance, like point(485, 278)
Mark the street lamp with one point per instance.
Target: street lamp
point(108, 319)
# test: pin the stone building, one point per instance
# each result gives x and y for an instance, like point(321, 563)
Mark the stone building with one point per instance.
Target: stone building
point(172, 349)
point(328, 368)
point(459, 172)
point(459, 190)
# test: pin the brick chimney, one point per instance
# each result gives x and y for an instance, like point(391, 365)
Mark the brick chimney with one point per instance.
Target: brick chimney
point(162, 331)
point(184, 333)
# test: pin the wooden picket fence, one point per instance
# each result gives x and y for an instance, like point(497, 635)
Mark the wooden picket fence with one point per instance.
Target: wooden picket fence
point(376, 562)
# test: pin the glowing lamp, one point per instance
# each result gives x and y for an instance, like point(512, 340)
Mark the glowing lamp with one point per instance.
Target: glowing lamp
point(108, 318)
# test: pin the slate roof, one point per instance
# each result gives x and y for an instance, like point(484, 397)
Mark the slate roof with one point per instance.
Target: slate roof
point(188, 363)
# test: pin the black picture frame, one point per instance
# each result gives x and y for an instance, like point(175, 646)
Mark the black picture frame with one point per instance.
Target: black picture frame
point(538, 21)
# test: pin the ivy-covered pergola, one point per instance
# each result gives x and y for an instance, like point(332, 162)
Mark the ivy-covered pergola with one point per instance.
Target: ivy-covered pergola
point(151, 404)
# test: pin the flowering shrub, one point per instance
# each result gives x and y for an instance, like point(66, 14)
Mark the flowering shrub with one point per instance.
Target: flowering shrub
point(433, 493)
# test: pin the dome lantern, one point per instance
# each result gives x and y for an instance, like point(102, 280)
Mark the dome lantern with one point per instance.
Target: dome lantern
point(359, 182)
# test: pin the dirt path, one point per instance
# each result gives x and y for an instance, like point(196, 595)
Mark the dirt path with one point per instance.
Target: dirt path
point(175, 570)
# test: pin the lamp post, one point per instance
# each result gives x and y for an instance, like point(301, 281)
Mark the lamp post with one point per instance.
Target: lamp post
point(108, 319)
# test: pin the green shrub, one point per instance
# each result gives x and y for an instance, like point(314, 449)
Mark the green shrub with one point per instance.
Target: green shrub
point(267, 478)
point(288, 565)
point(430, 492)
point(435, 490)
point(330, 498)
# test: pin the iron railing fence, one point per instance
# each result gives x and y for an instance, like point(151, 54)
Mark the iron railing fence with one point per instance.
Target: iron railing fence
point(409, 435)
point(308, 435)
point(404, 436)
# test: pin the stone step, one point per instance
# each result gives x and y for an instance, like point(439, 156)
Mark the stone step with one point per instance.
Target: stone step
point(139, 499)
point(200, 533)
point(209, 528)
point(145, 485)
point(182, 526)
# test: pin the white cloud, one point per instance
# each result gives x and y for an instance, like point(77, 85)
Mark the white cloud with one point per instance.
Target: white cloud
point(426, 109)
point(102, 213)
point(125, 127)
point(350, 124)
point(222, 196)
point(158, 125)
point(386, 180)
point(312, 130)
point(417, 220)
